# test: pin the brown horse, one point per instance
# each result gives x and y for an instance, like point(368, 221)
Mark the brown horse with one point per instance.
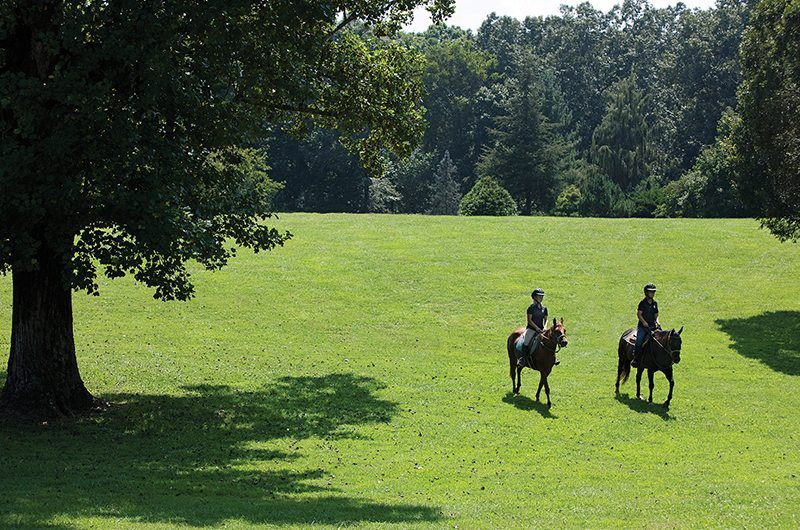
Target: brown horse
point(544, 358)
point(661, 351)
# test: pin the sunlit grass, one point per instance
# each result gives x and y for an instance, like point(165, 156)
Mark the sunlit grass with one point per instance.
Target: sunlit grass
point(358, 376)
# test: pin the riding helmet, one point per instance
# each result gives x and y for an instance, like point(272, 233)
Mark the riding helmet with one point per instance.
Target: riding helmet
point(650, 287)
point(538, 291)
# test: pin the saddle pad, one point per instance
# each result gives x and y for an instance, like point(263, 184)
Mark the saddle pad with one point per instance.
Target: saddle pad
point(631, 338)
point(518, 344)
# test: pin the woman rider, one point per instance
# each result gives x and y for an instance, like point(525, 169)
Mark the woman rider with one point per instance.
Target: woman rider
point(647, 317)
point(536, 318)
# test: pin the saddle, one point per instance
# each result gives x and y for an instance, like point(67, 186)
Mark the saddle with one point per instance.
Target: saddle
point(630, 338)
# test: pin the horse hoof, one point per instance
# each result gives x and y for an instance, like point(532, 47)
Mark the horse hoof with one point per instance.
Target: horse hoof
point(549, 405)
point(666, 405)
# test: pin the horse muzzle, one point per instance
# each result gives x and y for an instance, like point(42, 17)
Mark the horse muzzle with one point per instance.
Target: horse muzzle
point(564, 343)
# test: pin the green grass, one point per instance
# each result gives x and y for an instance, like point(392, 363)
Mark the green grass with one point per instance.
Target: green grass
point(358, 376)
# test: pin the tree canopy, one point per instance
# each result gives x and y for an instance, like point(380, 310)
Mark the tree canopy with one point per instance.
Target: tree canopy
point(768, 135)
point(130, 134)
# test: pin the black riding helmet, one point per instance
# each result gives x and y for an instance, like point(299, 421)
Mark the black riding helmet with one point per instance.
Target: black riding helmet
point(538, 291)
point(650, 287)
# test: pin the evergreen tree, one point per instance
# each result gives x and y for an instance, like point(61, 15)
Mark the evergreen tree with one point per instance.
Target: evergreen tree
point(529, 140)
point(620, 144)
point(446, 195)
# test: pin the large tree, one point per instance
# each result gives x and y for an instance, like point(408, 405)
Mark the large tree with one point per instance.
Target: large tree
point(768, 136)
point(123, 125)
point(621, 143)
point(530, 137)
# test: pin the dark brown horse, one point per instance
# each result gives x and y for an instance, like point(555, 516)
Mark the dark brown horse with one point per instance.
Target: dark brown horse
point(661, 351)
point(544, 358)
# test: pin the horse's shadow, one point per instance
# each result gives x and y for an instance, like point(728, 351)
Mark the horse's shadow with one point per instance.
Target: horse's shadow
point(643, 407)
point(526, 403)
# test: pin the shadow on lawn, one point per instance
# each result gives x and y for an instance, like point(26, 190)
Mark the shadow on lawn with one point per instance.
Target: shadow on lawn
point(642, 406)
point(772, 337)
point(194, 459)
point(526, 403)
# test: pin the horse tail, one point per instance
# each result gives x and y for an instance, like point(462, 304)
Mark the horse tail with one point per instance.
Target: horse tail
point(624, 368)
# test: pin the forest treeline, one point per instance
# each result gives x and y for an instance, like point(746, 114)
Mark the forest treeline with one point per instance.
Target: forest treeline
point(589, 113)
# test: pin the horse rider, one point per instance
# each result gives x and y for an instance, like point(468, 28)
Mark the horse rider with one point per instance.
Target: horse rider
point(647, 317)
point(536, 318)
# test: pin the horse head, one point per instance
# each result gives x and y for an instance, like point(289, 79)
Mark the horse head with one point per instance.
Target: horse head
point(674, 344)
point(560, 333)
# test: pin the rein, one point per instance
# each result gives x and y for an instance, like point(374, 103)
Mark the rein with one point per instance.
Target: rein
point(554, 339)
point(666, 349)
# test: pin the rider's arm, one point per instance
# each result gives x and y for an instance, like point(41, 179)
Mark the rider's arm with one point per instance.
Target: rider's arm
point(532, 324)
point(658, 324)
point(642, 320)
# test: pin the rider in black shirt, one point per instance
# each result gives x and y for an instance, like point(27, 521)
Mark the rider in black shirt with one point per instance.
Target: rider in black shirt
point(536, 322)
point(647, 317)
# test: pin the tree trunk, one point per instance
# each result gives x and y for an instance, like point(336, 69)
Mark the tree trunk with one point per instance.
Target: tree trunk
point(43, 378)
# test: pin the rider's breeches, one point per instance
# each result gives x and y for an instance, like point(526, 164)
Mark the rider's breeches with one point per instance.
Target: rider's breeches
point(529, 334)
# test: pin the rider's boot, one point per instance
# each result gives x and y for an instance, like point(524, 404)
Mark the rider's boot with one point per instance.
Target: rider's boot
point(558, 361)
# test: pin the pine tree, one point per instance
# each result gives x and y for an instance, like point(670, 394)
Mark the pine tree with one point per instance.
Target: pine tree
point(446, 195)
point(620, 143)
point(530, 143)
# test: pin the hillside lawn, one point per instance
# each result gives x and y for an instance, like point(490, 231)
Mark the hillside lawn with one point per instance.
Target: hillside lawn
point(358, 377)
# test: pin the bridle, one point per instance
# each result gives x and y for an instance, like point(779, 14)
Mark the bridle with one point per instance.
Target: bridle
point(557, 341)
point(667, 349)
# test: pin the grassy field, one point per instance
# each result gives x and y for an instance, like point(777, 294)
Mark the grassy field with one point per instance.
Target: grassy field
point(358, 377)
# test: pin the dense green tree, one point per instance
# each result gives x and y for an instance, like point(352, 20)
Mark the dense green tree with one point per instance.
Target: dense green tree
point(708, 189)
point(704, 72)
point(122, 129)
point(602, 197)
point(383, 196)
point(767, 138)
point(621, 143)
point(318, 173)
point(413, 177)
point(446, 195)
point(454, 73)
point(530, 141)
point(569, 201)
point(487, 197)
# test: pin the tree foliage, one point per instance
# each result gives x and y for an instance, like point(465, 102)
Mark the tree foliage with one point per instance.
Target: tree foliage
point(767, 138)
point(621, 143)
point(488, 197)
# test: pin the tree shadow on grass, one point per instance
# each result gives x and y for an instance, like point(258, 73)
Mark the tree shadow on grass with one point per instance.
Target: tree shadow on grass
point(199, 459)
point(526, 403)
point(643, 407)
point(772, 337)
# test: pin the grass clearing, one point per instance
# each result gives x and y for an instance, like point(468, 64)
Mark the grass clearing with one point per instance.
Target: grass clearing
point(358, 376)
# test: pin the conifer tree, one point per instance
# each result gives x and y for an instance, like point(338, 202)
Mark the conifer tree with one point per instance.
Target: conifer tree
point(620, 143)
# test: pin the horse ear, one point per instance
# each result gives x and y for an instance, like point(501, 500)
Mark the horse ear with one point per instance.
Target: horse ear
point(554, 321)
point(679, 331)
point(562, 320)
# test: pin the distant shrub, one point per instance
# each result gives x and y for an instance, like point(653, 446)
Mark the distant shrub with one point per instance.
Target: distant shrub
point(568, 203)
point(488, 197)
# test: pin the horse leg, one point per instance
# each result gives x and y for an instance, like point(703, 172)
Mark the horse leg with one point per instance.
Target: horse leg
point(650, 383)
point(519, 380)
point(639, 382)
point(620, 369)
point(671, 380)
point(511, 370)
point(541, 384)
point(547, 392)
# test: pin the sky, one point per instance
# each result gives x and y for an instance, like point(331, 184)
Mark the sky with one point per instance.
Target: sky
point(470, 13)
